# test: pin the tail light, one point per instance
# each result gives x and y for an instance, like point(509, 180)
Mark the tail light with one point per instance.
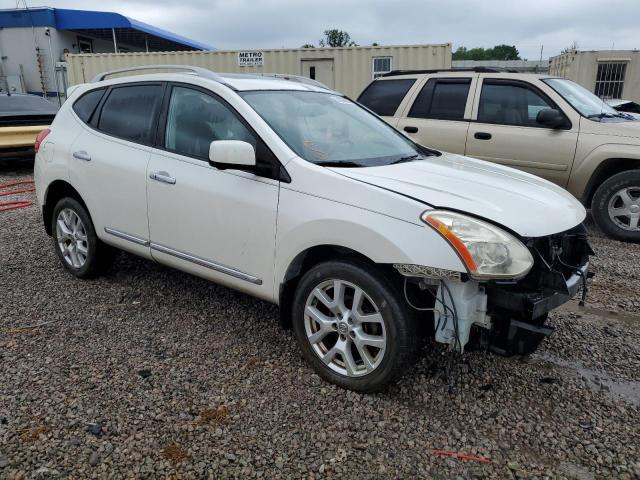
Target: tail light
point(40, 138)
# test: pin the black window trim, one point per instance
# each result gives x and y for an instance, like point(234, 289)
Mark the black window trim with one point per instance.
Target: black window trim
point(530, 86)
point(279, 173)
point(97, 113)
point(414, 80)
point(437, 80)
point(95, 109)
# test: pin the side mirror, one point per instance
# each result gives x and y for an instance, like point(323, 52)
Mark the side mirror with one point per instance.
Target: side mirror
point(552, 118)
point(232, 154)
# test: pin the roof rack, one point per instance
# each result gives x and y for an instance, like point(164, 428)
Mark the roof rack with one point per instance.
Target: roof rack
point(295, 78)
point(394, 73)
point(199, 71)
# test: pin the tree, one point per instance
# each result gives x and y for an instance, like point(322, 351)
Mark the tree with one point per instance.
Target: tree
point(499, 52)
point(336, 38)
point(308, 45)
point(504, 52)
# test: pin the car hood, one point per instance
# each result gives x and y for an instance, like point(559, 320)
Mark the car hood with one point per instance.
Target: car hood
point(528, 205)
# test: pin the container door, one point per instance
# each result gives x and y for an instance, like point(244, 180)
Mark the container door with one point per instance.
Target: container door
point(320, 69)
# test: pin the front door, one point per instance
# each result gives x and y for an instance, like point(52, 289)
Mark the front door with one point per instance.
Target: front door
point(320, 69)
point(506, 131)
point(218, 224)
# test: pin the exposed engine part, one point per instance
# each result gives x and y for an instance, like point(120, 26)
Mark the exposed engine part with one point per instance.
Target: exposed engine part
point(459, 306)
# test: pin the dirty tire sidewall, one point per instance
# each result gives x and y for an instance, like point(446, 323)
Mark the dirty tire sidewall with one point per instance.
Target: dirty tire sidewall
point(600, 205)
point(399, 321)
point(92, 264)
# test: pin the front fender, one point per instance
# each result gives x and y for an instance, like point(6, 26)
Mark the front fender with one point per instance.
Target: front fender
point(306, 221)
point(587, 163)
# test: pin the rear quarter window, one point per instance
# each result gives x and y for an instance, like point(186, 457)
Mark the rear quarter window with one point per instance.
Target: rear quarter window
point(87, 103)
point(384, 96)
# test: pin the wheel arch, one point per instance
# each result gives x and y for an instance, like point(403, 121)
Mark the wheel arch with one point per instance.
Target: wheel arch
point(606, 169)
point(306, 260)
point(57, 190)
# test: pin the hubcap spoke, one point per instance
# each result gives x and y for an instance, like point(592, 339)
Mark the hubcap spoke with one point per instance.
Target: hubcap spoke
point(634, 221)
point(625, 196)
point(370, 340)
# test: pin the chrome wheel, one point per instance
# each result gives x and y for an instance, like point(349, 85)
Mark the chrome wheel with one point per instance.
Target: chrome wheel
point(345, 328)
point(624, 209)
point(72, 238)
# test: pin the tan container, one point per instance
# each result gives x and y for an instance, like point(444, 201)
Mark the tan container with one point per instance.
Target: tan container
point(348, 70)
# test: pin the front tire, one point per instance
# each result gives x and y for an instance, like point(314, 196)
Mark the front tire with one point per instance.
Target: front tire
point(353, 326)
point(616, 206)
point(75, 240)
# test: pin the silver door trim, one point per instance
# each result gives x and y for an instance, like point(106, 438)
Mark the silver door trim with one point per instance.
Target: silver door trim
point(206, 263)
point(127, 236)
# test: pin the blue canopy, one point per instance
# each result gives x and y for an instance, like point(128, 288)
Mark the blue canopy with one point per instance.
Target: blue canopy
point(100, 24)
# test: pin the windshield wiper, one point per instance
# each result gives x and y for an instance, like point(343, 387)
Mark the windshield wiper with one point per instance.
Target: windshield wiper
point(338, 163)
point(405, 159)
point(601, 115)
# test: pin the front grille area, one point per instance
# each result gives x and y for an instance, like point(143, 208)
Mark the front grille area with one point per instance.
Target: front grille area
point(519, 309)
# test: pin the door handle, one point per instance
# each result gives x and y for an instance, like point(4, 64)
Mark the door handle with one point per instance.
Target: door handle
point(409, 129)
point(482, 136)
point(163, 177)
point(82, 155)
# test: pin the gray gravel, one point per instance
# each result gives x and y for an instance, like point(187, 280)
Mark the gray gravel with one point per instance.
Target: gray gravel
point(148, 372)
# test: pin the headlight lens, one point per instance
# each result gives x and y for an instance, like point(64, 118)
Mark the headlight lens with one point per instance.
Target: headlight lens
point(487, 251)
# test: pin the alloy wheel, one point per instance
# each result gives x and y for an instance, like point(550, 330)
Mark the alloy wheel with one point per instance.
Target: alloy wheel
point(624, 209)
point(72, 238)
point(345, 328)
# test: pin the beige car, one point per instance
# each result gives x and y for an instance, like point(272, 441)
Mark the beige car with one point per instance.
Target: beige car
point(550, 127)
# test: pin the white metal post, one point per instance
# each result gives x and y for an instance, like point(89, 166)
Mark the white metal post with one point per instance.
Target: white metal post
point(115, 43)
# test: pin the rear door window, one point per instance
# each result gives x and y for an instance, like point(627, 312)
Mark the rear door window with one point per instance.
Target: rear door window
point(384, 96)
point(87, 103)
point(442, 99)
point(130, 112)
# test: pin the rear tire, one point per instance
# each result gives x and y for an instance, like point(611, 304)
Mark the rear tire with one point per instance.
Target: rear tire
point(616, 206)
point(75, 239)
point(348, 312)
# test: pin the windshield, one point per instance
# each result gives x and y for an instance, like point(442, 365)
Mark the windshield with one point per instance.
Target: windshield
point(585, 102)
point(328, 129)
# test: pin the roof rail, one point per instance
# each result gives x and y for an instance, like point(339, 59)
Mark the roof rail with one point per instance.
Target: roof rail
point(394, 73)
point(296, 78)
point(199, 71)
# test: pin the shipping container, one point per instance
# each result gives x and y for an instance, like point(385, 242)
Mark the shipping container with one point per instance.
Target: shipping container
point(346, 69)
point(607, 73)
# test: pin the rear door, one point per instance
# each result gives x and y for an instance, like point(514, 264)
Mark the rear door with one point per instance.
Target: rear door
point(505, 130)
point(438, 116)
point(109, 163)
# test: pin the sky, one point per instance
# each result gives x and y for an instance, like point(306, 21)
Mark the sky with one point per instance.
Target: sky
point(246, 24)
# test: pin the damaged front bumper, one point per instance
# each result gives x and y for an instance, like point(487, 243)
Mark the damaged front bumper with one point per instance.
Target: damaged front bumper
point(509, 317)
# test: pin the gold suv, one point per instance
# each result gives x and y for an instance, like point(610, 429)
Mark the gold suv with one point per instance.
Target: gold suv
point(547, 126)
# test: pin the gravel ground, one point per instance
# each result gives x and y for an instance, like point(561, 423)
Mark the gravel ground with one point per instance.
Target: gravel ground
point(148, 372)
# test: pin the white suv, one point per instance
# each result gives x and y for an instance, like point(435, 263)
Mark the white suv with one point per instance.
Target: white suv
point(293, 193)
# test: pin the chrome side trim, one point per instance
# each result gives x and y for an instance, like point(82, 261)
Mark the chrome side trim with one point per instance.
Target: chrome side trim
point(206, 263)
point(127, 236)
